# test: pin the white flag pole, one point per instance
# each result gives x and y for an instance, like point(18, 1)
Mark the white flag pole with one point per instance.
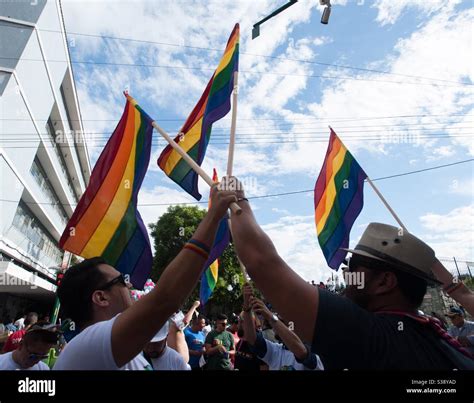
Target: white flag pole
point(230, 159)
point(242, 267)
point(233, 206)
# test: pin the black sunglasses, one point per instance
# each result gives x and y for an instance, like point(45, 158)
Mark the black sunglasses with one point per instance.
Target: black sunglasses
point(34, 356)
point(120, 279)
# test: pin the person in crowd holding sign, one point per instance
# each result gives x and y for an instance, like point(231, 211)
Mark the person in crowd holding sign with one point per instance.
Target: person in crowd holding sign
point(292, 355)
point(114, 330)
point(376, 325)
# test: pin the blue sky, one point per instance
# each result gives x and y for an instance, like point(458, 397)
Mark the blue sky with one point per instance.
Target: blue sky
point(285, 106)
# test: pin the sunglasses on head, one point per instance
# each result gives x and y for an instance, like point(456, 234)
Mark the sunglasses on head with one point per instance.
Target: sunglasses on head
point(120, 279)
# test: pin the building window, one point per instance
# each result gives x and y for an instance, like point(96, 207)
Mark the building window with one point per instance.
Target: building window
point(62, 163)
point(42, 180)
point(68, 116)
point(40, 240)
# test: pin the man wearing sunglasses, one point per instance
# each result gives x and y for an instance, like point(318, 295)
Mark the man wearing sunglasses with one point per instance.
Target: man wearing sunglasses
point(113, 331)
point(32, 349)
point(376, 325)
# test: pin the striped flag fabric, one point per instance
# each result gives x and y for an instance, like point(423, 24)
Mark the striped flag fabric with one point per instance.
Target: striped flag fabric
point(194, 136)
point(338, 200)
point(106, 221)
point(209, 276)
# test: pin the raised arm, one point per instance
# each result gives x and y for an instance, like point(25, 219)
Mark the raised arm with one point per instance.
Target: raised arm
point(290, 339)
point(189, 315)
point(292, 296)
point(177, 341)
point(250, 334)
point(460, 293)
point(137, 325)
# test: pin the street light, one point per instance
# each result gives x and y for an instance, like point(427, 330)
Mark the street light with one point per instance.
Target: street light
point(256, 26)
point(326, 12)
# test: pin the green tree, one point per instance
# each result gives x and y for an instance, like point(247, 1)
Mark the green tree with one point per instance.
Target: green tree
point(170, 233)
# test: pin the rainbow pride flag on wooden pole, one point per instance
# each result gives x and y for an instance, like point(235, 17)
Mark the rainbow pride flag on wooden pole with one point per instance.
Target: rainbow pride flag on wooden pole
point(106, 221)
point(194, 136)
point(338, 200)
point(209, 276)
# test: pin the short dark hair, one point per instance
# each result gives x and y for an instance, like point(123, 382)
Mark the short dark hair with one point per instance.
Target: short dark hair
point(412, 287)
point(39, 335)
point(76, 288)
point(30, 318)
point(198, 318)
point(221, 316)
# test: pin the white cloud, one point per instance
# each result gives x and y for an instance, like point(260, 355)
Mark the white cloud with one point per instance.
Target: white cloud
point(296, 241)
point(441, 152)
point(463, 187)
point(428, 52)
point(280, 211)
point(451, 234)
point(389, 11)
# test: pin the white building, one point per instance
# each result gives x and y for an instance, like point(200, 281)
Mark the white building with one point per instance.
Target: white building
point(41, 179)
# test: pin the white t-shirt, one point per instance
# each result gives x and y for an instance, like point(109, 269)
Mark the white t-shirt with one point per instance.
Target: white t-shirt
point(280, 359)
point(170, 360)
point(92, 350)
point(206, 330)
point(8, 364)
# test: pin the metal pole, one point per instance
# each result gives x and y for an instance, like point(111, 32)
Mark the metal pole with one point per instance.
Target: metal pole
point(457, 268)
point(469, 270)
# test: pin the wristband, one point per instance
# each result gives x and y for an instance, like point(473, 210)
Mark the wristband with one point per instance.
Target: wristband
point(242, 199)
point(198, 247)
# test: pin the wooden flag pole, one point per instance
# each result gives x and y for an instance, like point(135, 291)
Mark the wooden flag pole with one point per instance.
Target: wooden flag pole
point(230, 159)
point(386, 204)
point(233, 206)
point(242, 267)
point(383, 199)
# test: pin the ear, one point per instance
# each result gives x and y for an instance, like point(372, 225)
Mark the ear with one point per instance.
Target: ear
point(385, 282)
point(100, 298)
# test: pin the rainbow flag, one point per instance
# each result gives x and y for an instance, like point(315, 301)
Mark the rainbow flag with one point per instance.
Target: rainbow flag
point(209, 277)
point(338, 200)
point(196, 131)
point(106, 221)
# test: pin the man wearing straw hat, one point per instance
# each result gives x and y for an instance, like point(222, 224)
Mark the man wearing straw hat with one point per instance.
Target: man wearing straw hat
point(376, 324)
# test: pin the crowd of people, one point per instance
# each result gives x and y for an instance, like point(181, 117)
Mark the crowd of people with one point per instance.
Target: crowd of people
point(374, 326)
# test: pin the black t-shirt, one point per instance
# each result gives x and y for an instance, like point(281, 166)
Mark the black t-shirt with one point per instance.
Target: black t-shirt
point(348, 336)
point(245, 358)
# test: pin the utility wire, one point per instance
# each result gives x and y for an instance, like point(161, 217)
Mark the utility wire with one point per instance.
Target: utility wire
point(327, 64)
point(274, 194)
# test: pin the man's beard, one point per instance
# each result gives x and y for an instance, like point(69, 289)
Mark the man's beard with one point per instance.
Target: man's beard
point(359, 297)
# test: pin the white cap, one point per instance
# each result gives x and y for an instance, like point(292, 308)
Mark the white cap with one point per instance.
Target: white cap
point(162, 333)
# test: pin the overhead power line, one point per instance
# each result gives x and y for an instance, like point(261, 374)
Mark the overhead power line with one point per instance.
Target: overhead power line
point(271, 73)
point(200, 48)
point(274, 194)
